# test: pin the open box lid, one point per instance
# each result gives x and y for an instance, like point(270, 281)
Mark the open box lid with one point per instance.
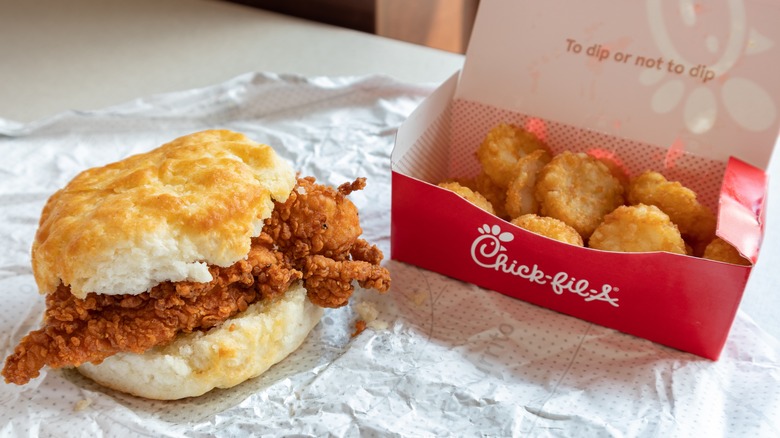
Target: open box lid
point(697, 76)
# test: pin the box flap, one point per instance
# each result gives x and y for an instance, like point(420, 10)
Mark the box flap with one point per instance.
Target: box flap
point(697, 77)
point(426, 159)
point(742, 206)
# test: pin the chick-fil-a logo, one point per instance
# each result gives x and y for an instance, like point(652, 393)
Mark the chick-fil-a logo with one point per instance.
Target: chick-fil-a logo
point(488, 252)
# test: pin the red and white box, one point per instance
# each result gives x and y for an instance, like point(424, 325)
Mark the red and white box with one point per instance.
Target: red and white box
point(687, 89)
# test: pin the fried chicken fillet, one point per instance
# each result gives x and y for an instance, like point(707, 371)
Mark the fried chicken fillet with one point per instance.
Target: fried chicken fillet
point(313, 237)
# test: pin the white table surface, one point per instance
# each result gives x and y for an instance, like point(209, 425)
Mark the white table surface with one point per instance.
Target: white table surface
point(89, 54)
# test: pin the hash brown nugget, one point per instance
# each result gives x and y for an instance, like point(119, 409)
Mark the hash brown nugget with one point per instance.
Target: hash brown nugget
point(617, 170)
point(637, 228)
point(469, 195)
point(520, 196)
point(695, 221)
point(579, 190)
point(723, 251)
point(465, 182)
point(502, 147)
point(492, 192)
point(549, 227)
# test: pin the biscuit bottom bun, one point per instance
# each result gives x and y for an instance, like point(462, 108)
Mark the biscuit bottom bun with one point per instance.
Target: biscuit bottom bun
point(240, 348)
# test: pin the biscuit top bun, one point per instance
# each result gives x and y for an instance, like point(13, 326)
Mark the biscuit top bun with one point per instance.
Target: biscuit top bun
point(159, 216)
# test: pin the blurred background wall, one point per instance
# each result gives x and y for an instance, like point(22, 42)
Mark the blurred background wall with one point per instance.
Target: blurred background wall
point(442, 24)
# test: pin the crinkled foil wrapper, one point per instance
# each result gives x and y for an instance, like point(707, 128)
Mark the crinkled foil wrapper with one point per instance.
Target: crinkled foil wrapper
point(443, 358)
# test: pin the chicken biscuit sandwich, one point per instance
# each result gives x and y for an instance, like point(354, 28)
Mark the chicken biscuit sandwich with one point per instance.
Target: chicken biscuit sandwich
point(197, 265)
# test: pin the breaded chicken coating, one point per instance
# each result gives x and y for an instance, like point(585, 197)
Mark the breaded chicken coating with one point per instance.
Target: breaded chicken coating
point(318, 228)
point(91, 329)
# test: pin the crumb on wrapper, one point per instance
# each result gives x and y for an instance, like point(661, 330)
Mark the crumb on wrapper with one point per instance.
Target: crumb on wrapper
point(82, 405)
point(419, 298)
point(368, 317)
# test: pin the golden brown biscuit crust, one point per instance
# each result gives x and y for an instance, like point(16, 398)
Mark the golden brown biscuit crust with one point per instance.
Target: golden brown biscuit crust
point(159, 216)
